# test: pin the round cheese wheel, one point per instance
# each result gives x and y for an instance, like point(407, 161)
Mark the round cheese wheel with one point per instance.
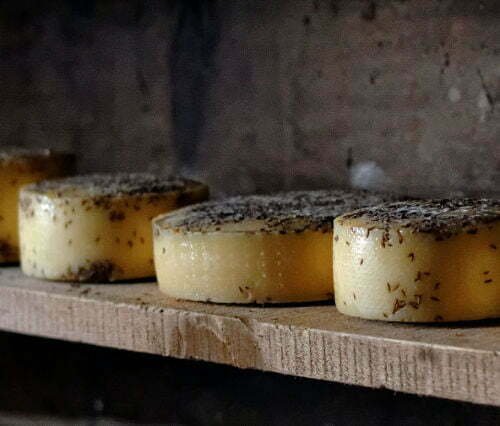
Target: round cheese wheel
point(18, 167)
point(97, 227)
point(419, 261)
point(254, 249)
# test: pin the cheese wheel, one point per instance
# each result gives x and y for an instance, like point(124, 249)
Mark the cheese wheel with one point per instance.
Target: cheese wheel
point(263, 249)
point(419, 261)
point(97, 227)
point(20, 167)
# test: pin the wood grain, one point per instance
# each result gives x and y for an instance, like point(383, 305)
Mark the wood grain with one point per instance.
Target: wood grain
point(459, 361)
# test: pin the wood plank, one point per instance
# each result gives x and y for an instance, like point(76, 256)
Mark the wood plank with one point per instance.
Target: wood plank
point(459, 361)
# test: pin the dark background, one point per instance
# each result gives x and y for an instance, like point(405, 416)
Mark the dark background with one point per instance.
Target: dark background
point(250, 96)
point(68, 382)
point(261, 95)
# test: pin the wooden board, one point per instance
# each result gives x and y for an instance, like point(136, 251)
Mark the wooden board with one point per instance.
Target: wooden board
point(460, 361)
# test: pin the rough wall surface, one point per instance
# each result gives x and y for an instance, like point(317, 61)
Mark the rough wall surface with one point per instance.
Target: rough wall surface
point(259, 95)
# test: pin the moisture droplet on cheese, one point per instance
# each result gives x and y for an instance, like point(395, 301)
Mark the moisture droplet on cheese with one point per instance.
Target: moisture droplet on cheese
point(97, 227)
point(20, 167)
point(264, 249)
point(419, 261)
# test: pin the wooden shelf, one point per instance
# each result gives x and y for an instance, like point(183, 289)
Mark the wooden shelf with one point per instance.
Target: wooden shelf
point(460, 362)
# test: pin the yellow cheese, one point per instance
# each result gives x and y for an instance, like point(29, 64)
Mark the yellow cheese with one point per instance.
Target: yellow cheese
point(20, 167)
point(421, 261)
point(264, 249)
point(97, 227)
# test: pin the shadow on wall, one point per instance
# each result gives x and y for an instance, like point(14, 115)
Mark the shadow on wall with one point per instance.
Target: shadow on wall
point(261, 96)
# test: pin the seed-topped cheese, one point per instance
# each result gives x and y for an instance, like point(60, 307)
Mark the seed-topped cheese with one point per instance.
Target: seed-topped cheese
point(444, 217)
point(295, 211)
point(18, 167)
point(419, 261)
point(97, 227)
point(260, 248)
point(115, 185)
point(31, 156)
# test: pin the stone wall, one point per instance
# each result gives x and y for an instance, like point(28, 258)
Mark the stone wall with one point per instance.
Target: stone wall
point(259, 95)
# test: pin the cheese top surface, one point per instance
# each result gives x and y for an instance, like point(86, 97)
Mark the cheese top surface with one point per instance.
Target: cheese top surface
point(112, 185)
point(12, 153)
point(295, 211)
point(34, 159)
point(443, 217)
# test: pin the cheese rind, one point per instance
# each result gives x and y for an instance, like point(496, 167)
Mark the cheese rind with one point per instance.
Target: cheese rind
point(424, 261)
point(256, 249)
point(20, 167)
point(97, 228)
